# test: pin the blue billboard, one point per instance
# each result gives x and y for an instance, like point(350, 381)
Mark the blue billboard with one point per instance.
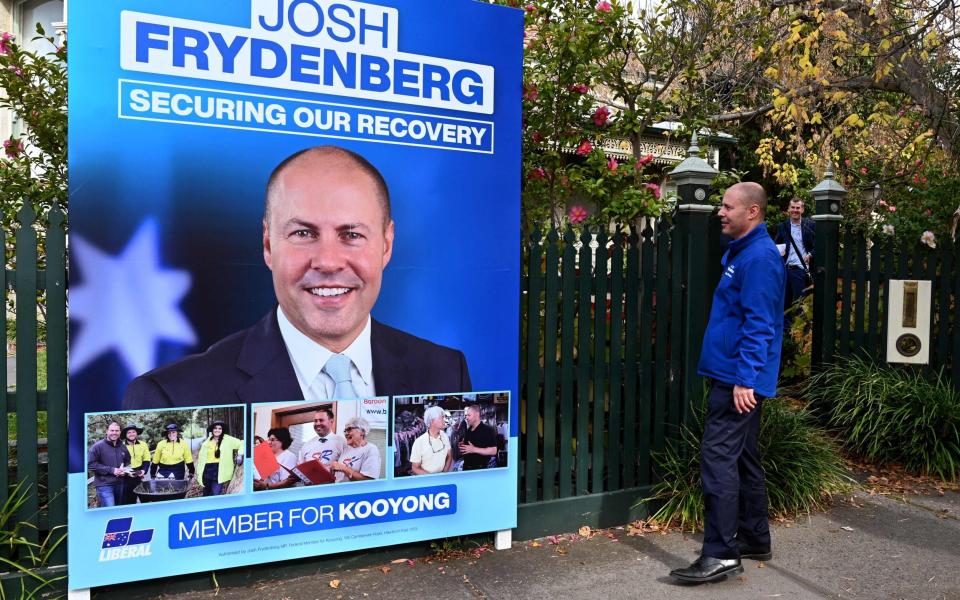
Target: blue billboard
point(294, 286)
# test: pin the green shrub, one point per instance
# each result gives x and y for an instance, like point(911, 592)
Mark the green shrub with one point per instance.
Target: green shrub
point(802, 467)
point(889, 414)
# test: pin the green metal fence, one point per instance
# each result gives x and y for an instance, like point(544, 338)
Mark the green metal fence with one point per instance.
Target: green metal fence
point(601, 370)
point(38, 280)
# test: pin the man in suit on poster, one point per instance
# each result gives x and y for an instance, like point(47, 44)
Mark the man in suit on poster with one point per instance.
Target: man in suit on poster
point(327, 236)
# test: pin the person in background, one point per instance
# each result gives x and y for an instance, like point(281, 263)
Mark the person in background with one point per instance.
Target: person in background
point(361, 459)
point(139, 461)
point(172, 458)
point(108, 459)
point(218, 458)
point(431, 452)
point(280, 440)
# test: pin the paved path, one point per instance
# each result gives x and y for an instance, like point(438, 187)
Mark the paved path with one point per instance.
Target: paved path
point(872, 548)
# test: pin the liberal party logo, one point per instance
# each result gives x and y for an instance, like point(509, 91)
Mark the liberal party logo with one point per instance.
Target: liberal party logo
point(120, 542)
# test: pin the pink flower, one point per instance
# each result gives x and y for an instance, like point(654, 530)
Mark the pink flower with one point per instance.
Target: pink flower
point(530, 93)
point(577, 214)
point(604, 6)
point(928, 212)
point(5, 40)
point(882, 202)
point(600, 116)
point(530, 8)
point(579, 87)
point(538, 173)
point(16, 70)
point(612, 164)
point(929, 239)
point(892, 208)
point(916, 178)
point(584, 148)
point(863, 170)
point(12, 148)
point(846, 162)
point(653, 188)
point(644, 161)
point(536, 136)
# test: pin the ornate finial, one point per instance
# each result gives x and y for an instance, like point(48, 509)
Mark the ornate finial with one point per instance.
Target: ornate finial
point(829, 173)
point(694, 149)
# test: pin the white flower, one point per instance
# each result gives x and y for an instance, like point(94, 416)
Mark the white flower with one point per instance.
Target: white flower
point(929, 239)
point(888, 229)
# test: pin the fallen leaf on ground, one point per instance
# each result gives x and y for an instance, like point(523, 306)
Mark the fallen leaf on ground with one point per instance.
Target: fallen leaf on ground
point(535, 544)
point(399, 560)
point(411, 562)
point(385, 570)
point(562, 550)
point(335, 584)
point(847, 528)
point(585, 531)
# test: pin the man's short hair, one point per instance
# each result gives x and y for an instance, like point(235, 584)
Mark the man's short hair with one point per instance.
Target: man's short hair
point(474, 408)
point(796, 201)
point(331, 151)
point(750, 193)
point(432, 414)
point(326, 409)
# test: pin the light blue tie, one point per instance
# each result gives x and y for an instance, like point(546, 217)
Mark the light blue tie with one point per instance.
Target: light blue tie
point(338, 368)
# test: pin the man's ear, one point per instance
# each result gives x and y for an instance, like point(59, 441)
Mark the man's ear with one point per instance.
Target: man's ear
point(266, 245)
point(388, 243)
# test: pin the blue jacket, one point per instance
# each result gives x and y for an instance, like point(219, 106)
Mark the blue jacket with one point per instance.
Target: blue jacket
point(742, 343)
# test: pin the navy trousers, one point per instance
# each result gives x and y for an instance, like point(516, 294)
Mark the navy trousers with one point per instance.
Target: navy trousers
point(796, 283)
point(735, 497)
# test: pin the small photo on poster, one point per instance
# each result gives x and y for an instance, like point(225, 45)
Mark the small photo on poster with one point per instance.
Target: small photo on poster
point(451, 432)
point(161, 455)
point(316, 443)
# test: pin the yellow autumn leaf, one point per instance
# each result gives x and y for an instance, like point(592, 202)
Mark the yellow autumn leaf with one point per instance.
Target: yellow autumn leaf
point(771, 72)
point(780, 101)
point(816, 119)
point(865, 49)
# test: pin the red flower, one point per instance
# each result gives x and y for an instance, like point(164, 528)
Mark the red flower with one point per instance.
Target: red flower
point(537, 173)
point(579, 87)
point(612, 164)
point(536, 136)
point(653, 188)
point(530, 93)
point(12, 148)
point(530, 8)
point(584, 148)
point(863, 170)
point(604, 6)
point(577, 214)
point(600, 116)
point(644, 161)
point(5, 40)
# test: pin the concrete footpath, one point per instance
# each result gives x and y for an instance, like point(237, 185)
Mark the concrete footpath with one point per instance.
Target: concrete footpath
point(869, 547)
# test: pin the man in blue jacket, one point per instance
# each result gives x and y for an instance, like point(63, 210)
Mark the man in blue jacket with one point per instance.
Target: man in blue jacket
point(741, 356)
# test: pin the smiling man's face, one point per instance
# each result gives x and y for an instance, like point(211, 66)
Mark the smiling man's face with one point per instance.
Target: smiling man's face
point(326, 244)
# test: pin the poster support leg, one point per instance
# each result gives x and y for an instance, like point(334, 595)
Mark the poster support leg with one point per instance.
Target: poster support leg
point(79, 594)
point(501, 540)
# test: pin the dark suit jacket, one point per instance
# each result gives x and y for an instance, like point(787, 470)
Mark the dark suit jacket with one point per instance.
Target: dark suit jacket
point(807, 232)
point(253, 366)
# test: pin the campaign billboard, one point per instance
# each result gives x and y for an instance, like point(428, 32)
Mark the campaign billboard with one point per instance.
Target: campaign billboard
point(294, 279)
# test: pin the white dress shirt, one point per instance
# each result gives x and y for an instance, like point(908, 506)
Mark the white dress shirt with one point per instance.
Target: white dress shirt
point(308, 358)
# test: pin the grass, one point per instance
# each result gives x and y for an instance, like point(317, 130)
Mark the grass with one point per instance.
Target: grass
point(891, 415)
point(803, 468)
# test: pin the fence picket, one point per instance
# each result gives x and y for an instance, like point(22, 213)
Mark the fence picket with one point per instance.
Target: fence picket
point(583, 364)
point(56, 288)
point(600, 364)
point(631, 367)
point(550, 328)
point(846, 271)
point(532, 405)
point(615, 364)
point(568, 341)
point(26, 298)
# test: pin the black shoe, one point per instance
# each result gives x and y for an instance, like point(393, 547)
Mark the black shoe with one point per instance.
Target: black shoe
point(707, 568)
point(755, 552)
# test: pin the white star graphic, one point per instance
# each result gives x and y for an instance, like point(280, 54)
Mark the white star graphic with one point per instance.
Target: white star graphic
point(127, 303)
